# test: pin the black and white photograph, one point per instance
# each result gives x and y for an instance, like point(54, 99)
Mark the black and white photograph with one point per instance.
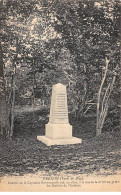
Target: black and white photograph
point(60, 95)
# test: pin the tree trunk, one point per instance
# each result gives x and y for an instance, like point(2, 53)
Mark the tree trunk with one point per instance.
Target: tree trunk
point(102, 106)
point(81, 104)
point(13, 91)
point(120, 69)
point(4, 125)
point(98, 129)
point(12, 105)
point(33, 95)
point(33, 101)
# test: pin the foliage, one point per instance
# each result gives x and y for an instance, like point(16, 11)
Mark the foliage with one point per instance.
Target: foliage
point(60, 41)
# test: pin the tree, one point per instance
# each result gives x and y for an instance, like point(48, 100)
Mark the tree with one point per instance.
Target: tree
point(4, 123)
point(9, 36)
point(91, 33)
point(103, 103)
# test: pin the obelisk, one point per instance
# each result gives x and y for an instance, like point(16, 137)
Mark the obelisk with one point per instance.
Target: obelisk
point(58, 131)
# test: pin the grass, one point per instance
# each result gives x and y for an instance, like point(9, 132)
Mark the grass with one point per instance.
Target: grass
point(25, 154)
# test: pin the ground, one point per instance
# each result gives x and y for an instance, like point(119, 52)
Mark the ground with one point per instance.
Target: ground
point(24, 154)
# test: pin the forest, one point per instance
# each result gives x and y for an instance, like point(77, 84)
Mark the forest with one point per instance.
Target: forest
point(73, 42)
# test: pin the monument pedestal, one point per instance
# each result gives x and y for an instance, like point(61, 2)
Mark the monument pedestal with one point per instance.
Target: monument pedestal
point(58, 131)
point(49, 141)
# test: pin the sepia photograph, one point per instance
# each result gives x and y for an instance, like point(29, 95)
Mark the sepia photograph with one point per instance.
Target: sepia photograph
point(60, 96)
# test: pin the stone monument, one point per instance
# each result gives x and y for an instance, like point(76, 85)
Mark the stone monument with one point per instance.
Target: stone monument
point(58, 131)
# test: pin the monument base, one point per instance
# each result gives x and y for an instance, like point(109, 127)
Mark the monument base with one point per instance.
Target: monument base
point(50, 142)
point(58, 131)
